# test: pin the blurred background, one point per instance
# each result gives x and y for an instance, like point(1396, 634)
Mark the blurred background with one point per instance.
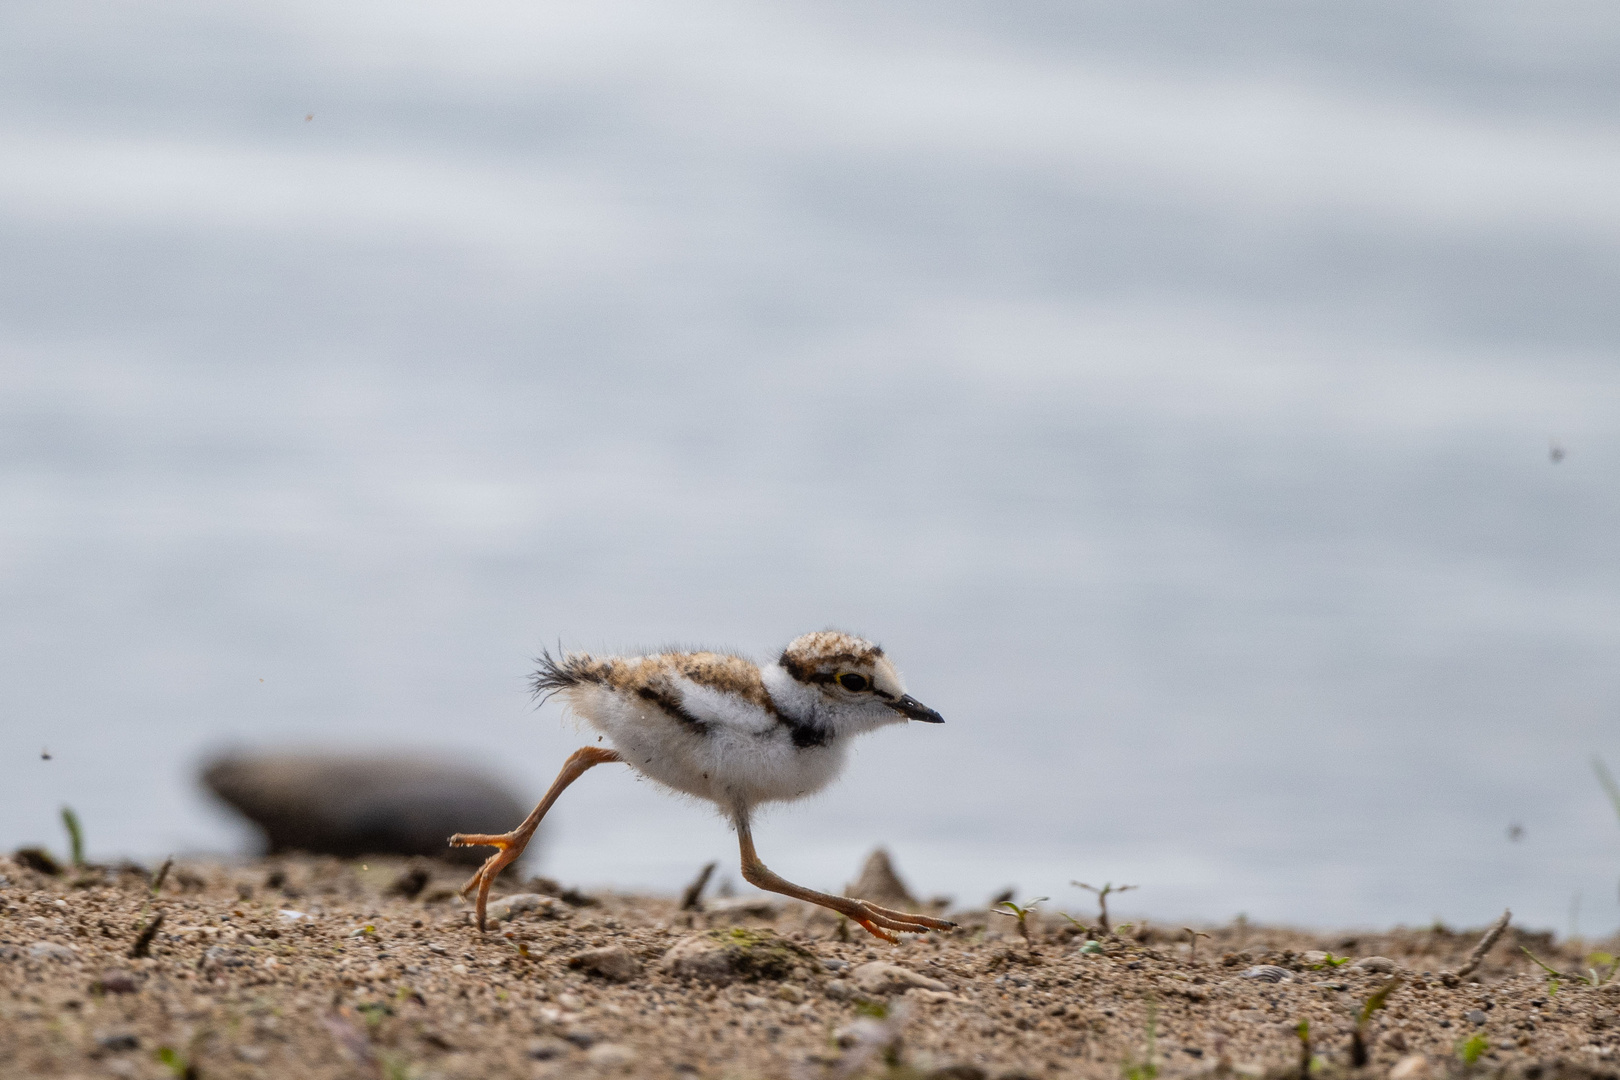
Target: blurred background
point(1211, 408)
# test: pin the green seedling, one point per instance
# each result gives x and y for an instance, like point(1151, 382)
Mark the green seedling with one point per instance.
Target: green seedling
point(1302, 1031)
point(1019, 913)
point(1473, 1048)
point(396, 1067)
point(1148, 1067)
point(162, 873)
point(1592, 977)
point(75, 836)
point(1601, 959)
point(1553, 977)
point(1102, 899)
point(374, 1012)
point(522, 947)
point(1331, 962)
point(1375, 1001)
point(177, 1063)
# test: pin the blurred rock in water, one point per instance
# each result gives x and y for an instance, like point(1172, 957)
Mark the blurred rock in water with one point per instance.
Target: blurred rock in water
point(350, 805)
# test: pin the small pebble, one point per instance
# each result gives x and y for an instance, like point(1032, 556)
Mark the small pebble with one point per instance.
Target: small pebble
point(114, 981)
point(507, 907)
point(1476, 1017)
point(119, 1041)
point(877, 977)
point(1381, 964)
point(1410, 1067)
point(549, 1048)
point(611, 1056)
point(50, 950)
point(614, 963)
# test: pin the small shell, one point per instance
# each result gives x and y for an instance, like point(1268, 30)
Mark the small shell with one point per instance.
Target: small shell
point(1268, 973)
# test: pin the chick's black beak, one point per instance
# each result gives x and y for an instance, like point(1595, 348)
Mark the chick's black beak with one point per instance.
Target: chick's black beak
point(913, 709)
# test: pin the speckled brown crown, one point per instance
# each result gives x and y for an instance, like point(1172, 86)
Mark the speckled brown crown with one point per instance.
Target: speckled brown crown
point(815, 657)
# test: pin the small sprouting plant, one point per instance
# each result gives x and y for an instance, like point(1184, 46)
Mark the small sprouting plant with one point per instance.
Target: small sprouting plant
point(1076, 923)
point(1473, 1048)
point(374, 1012)
point(1302, 1031)
point(1102, 899)
point(75, 832)
point(1331, 961)
point(1019, 913)
point(1375, 1001)
point(1553, 976)
point(396, 1067)
point(177, 1063)
point(1601, 959)
point(162, 873)
point(1592, 977)
point(1148, 1067)
point(1192, 939)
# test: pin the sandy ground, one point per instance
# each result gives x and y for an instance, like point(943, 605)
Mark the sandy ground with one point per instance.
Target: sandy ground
point(319, 968)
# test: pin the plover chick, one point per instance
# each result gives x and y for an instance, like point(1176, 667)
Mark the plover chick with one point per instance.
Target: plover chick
point(725, 729)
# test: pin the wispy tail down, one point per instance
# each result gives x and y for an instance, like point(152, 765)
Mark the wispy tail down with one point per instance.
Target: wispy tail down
point(554, 674)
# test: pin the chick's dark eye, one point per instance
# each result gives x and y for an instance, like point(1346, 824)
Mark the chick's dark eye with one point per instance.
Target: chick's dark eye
point(851, 681)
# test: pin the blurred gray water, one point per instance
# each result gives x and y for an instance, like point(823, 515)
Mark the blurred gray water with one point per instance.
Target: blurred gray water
point(1169, 387)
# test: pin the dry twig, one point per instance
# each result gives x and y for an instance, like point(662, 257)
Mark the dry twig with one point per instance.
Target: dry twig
point(143, 940)
point(1452, 978)
point(692, 898)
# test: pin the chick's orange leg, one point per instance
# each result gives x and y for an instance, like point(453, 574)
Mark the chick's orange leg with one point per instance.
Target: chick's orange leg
point(875, 920)
point(510, 845)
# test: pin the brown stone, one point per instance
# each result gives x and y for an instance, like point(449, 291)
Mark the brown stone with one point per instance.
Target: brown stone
point(879, 883)
point(354, 805)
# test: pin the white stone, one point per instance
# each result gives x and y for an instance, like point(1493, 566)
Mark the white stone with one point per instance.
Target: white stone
point(876, 977)
point(1410, 1067)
